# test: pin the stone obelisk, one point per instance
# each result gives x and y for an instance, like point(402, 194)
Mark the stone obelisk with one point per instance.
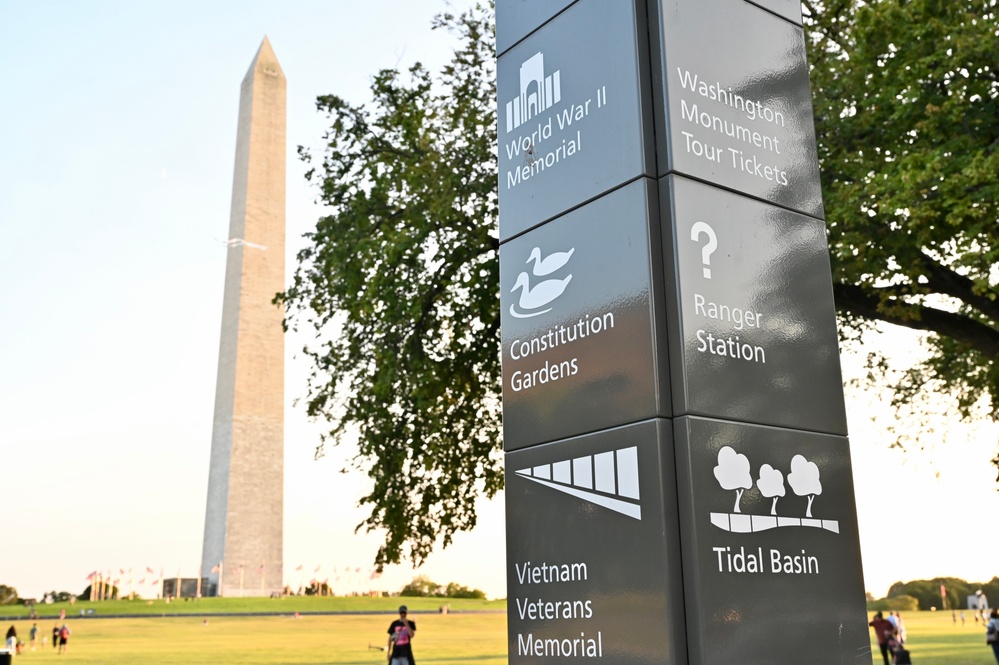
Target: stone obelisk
point(243, 544)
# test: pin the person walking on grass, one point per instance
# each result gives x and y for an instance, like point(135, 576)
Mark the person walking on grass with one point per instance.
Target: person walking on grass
point(992, 633)
point(883, 631)
point(400, 646)
point(63, 639)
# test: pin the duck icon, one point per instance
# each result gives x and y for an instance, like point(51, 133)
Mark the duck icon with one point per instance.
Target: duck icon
point(550, 263)
point(537, 297)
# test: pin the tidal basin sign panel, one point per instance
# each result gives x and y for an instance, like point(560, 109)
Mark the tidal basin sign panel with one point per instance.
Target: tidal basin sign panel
point(243, 546)
point(679, 487)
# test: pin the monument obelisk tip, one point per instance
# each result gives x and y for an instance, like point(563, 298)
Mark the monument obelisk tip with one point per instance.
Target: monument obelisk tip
point(265, 60)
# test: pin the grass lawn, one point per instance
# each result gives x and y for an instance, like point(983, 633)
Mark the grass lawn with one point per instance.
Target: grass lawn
point(288, 605)
point(452, 639)
point(933, 638)
point(445, 639)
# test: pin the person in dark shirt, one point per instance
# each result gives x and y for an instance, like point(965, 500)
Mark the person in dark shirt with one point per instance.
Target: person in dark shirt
point(883, 631)
point(400, 645)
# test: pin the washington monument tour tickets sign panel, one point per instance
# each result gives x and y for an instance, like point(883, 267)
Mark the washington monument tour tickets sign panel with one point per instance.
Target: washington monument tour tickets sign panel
point(679, 485)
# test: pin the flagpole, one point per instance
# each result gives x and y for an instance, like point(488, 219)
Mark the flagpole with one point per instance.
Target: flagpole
point(218, 591)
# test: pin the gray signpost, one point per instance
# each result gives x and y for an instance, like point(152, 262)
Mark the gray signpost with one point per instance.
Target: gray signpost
point(678, 474)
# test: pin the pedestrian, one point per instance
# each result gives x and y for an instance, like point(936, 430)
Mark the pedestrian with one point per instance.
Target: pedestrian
point(992, 633)
point(899, 628)
point(55, 636)
point(63, 639)
point(883, 631)
point(400, 646)
point(33, 636)
point(11, 641)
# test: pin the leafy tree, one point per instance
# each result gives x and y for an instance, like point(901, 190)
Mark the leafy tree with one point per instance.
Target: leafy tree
point(421, 586)
point(455, 590)
point(907, 117)
point(400, 281)
point(8, 595)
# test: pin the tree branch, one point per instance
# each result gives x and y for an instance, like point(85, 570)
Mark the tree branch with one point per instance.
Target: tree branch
point(852, 299)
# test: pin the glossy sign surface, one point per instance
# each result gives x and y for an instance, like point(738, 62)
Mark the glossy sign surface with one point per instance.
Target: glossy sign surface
point(591, 553)
point(755, 308)
point(571, 119)
point(515, 19)
point(580, 351)
point(771, 556)
point(789, 9)
point(738, 102)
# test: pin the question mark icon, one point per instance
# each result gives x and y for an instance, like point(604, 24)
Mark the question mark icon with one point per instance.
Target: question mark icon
point(697, 230)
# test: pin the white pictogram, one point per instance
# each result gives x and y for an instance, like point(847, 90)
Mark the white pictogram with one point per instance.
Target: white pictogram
point(733, 473)
point(697, 230)
point(537, 92)
point(533, 298)
point(607, 479)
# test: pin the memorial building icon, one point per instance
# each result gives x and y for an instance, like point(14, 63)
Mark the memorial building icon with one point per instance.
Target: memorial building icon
point(537, 92)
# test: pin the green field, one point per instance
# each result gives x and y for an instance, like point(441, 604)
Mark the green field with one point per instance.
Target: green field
point(451, 639)
point(285, 605)
point(448, 639)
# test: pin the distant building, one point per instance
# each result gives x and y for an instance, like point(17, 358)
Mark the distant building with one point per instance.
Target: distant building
point(978, 601)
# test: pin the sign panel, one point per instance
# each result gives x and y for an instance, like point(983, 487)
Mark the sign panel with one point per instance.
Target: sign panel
point(581, 347)
point(755, 307)
point(771, 556)
point(593, 563)
point(789, 9)
point(574, 120)
point(737, 101)
point(515, 19)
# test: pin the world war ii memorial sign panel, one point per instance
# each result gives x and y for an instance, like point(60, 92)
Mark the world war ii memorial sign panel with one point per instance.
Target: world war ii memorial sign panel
point(574, 113)
point(734, 83)
point(771, 555)
point(596, 550)
point(758, 339)
point(580, 345)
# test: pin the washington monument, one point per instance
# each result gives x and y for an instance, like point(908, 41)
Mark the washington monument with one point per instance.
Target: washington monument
point(243, 544)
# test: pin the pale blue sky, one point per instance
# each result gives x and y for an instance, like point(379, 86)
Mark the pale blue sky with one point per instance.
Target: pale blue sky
point(117, 135)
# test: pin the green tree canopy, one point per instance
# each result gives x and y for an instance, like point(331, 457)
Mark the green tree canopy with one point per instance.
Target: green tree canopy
point(8, 595)
point(401, 283)
point(907, 118)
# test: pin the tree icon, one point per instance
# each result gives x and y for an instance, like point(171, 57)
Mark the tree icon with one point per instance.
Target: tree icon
point(804, 480)
point(771, 485)
point(732, 473)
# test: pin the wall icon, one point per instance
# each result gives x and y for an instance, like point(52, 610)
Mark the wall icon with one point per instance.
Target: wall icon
point(607, 479)
point(534, 300)
point(537, 92)
point(733, 473)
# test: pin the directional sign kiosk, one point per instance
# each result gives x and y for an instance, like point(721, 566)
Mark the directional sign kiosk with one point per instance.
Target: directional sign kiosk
point(679, 487)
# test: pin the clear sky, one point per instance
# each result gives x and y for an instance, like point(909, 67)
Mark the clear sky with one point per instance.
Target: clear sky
point(117, 137)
